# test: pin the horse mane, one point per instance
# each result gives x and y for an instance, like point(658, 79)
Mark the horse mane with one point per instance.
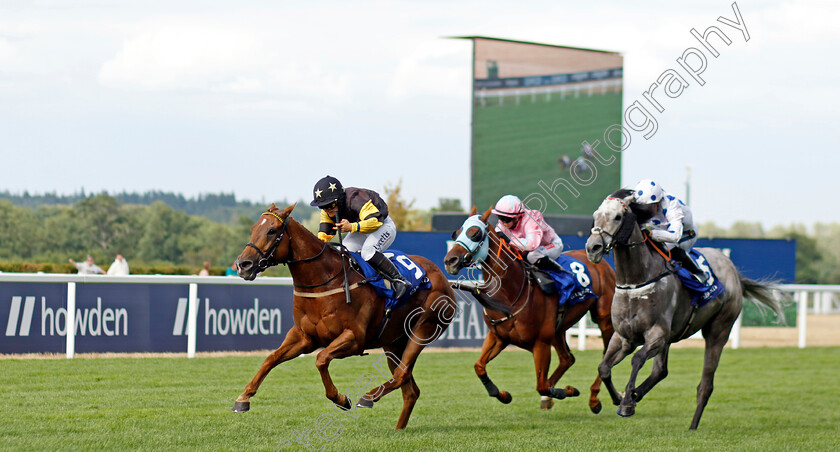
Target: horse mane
point(333, 247)
point(642, 215)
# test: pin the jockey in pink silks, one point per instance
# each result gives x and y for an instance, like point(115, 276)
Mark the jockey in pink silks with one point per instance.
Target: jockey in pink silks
point(528, 231)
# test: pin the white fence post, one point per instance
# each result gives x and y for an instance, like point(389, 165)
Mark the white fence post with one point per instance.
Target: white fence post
point(582, 333)
point(801, 317)
point(71, 320)
point(735, 335)
point(192, 319)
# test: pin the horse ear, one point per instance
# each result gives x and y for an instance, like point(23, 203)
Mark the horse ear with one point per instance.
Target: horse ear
point(474, 211)
point(486, 215)
point(271, 207)
point(288, 210)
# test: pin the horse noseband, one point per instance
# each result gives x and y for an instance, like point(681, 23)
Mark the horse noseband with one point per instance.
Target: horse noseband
point(267, 258)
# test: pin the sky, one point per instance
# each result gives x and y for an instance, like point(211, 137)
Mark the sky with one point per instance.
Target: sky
point(263, 98)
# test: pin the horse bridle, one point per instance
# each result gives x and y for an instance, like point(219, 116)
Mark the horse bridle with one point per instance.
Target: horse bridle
point(625, 230)
point(267, 259)
point(622, 237)
point(526, 281)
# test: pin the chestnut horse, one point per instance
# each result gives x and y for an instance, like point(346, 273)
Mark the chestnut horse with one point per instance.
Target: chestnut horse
point(533, 320)
point(323, 318)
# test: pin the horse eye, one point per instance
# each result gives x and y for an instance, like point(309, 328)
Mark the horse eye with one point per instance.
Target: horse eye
point(618, 217)
point(272, 231)
point(455, 234)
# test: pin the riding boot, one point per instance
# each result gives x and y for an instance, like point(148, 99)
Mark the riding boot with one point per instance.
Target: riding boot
point(681, 256)
point(388, 270)
point(547, 263)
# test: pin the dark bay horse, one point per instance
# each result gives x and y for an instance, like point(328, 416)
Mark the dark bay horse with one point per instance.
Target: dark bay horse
point(651, 307)
point(530, 319)
point(324, 319)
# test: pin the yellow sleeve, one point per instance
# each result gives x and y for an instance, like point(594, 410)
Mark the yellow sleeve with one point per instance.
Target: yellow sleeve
point(326, 225)
point(368, 222)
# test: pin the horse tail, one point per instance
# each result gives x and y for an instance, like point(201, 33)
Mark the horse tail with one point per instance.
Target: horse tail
point(765, 292)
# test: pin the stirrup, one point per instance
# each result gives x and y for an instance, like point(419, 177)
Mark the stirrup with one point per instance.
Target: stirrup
point(400, 287)
point(702, 278)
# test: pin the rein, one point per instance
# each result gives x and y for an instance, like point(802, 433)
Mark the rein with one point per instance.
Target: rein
point(494, 322)
point(525, 281)
point(667, 272)
point(625, 229)
point(267, 260)
point(653, 245)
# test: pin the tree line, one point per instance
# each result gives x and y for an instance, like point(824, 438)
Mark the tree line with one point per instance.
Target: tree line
point(101, 226)
point(150, 231)
point(155, 229)
point(219, 207)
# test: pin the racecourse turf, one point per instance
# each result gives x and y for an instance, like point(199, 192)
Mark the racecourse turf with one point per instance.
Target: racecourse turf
point(764, 399)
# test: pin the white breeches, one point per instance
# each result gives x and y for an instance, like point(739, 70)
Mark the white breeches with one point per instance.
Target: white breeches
point(553, 251)
point(370, 243)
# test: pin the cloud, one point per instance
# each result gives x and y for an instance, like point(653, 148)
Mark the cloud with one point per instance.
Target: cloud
point(185, 58)
point(307, 79)
point(7, 50)
point(436, 68)
point(240, 85)
point(212, 59)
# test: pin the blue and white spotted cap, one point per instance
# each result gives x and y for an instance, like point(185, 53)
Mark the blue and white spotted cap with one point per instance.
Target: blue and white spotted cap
point(648, 192)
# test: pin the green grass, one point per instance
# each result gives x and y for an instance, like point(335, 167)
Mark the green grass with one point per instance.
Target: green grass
point(764, 399)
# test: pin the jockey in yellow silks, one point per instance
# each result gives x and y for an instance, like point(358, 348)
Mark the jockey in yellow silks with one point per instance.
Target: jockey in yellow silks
point(363, 215)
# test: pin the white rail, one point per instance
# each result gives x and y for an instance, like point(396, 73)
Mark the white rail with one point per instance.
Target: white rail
point(809, 298)
point(193, 281)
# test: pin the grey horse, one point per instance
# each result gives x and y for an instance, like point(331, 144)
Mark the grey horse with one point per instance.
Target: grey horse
point(651, 308)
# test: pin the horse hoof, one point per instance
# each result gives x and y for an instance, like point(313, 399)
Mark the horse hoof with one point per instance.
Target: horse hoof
point(364, 403)
point(597, 408)
point(572, 391)
point(348, 404)
point(505, 397)
point(626, 411)
point(546, 404)
point(241, 407)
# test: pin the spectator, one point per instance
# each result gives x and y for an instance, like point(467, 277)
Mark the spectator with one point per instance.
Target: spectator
point(87, 267)
point(233, 270)
point(205, 269)
point(119, 267)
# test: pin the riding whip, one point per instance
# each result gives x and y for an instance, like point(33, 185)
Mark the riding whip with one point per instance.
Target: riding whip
point(341, 252)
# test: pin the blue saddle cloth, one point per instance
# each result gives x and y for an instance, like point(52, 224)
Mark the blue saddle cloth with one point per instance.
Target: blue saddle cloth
point(412, 272)
point(574, 286)
point(700, 293)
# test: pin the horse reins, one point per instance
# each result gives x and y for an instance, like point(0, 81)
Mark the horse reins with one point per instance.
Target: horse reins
point(667, 271)
point(267, 260)
point(525, 281)
point(652, 244)
point(624, 229)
